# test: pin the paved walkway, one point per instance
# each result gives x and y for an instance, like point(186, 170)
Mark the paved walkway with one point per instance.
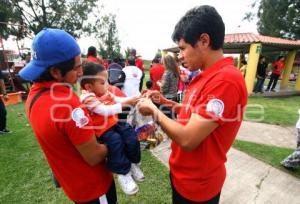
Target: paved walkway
point(250, 181)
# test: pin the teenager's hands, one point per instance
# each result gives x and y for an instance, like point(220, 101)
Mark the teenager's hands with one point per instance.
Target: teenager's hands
point(146, 107)
point(155, 96)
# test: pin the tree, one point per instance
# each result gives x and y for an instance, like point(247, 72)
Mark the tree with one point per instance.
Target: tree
point(31, 16)
point(278, 18)
point(107, 36)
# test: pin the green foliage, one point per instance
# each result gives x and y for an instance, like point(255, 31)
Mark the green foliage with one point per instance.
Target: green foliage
point(278, 111)
point(25, 176)
point(109, 42)
point(278, 18)
point(28, 17)
point(270, 154)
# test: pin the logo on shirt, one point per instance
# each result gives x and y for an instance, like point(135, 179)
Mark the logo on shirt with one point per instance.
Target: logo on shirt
point(79, 118)
point(215, 106)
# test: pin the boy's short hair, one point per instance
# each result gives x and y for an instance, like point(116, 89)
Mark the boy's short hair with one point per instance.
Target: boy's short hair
point(149, 84)
point(90, 70)
point(199, 20)
point(131, 60)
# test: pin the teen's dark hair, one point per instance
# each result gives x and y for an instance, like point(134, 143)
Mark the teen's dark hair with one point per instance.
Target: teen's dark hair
point(90, 69)
point(156, 60)
point(92, 51)
point(149, 84)
point(131, 60)
point(199, 20)
point(261, 57)
point(64, 68)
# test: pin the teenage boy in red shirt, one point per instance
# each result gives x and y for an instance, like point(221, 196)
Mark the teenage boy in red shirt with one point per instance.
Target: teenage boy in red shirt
point(60, 123)
point(211, 112)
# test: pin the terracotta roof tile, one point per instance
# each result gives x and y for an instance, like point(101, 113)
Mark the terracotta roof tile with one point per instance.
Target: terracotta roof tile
point(252, 38)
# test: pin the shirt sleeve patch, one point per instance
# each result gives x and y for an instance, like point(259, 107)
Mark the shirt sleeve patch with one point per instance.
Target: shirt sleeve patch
point(79, 117)
point(215, 106)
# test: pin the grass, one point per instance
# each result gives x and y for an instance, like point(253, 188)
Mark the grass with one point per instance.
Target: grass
point(25, 175)
point(278, 111)
point(269, 154)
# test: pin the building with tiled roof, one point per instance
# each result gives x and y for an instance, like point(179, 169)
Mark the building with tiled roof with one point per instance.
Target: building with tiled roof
point(240, 43)
point(254, 45)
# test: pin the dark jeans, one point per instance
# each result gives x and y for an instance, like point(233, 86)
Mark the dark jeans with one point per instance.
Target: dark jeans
point(123, 148)
point(2, 115)
point(178, 199)
point(111, 196)
point(273, 81)
point(259, 85)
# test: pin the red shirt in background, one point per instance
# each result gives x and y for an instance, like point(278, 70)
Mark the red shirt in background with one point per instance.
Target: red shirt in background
point(156, 73)
point(218, 93)
point(279, 65)
point(51, 118)
point(94, 59)
point(140, 64)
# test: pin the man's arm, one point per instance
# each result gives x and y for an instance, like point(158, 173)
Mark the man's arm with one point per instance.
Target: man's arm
point(187, 136)
point(92, 152)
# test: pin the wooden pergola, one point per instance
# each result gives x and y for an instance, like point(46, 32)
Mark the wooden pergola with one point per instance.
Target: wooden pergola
point(254, 45)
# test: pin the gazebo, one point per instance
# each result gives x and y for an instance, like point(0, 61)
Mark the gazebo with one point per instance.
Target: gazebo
point(254, 44)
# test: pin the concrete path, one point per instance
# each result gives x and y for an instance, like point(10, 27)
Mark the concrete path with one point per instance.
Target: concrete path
point(268, 134)
point(250, 181)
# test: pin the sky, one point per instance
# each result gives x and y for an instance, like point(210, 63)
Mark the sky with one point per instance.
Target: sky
point(147, 25)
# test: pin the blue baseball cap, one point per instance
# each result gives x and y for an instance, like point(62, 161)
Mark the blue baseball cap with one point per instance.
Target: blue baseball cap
point(49, 47)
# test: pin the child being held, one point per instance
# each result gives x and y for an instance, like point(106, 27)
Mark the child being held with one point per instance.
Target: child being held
point(121, 139)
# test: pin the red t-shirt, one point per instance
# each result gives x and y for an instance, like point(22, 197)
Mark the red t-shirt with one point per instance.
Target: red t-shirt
point(217, 93)
point(101, 123)
point(59, 123)
point(156, 73)
point(140, 64)
point(94, 59)
point(279, 67)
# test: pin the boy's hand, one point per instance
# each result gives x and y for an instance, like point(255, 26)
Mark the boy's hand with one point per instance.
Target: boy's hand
point(131, 101)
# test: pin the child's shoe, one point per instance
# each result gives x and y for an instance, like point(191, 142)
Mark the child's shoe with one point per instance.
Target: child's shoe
point(137, 173)
point(127, 184)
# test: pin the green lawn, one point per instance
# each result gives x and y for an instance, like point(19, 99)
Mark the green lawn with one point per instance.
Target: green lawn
point(278, 111)
point(270, 154)
point(25, 175)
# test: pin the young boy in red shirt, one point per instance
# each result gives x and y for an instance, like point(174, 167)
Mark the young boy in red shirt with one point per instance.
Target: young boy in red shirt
point(120, 138)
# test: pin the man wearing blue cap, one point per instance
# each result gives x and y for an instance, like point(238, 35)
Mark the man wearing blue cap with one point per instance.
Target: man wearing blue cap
point(59, 122)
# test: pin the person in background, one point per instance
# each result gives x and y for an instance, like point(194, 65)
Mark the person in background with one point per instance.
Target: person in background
point(292, 161)
point(92, 55)
point(183, 80)
point(278, 66)
point(60, 123)
point(260, 74)
point(243, 68)
point(156, 72)
point(139, 62)
point(115, 64)
point(169, 82)
point(3, 111)
point(133, 77)
point(211, 112)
